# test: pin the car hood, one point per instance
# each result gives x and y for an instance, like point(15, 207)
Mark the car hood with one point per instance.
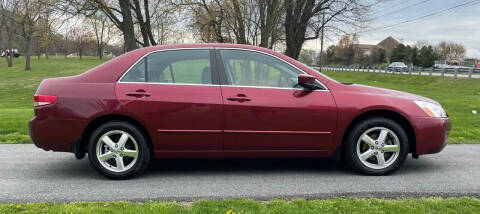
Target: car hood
point(388, 92)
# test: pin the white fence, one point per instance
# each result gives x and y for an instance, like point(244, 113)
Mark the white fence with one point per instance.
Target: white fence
point(443, 72)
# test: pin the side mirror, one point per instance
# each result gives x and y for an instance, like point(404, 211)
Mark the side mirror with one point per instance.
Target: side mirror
point(307, 81)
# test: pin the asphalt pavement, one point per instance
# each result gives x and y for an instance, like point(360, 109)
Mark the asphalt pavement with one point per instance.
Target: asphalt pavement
point(29, 174)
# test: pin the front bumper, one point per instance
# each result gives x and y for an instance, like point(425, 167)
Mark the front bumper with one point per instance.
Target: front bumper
point(431, 134)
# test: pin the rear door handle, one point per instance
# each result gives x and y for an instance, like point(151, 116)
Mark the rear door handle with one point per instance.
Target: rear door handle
point(239, 98)
point(138, 94)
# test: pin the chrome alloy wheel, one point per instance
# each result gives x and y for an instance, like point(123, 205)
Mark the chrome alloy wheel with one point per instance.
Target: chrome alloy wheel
point(117, 151)
point(378, 148)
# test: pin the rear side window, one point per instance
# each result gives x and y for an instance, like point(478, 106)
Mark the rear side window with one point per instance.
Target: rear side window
point(175, 67)
point(136, 73)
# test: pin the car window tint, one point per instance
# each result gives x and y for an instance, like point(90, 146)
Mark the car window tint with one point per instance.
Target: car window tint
point(136, 73)
point(180, 66)
point(248, 68)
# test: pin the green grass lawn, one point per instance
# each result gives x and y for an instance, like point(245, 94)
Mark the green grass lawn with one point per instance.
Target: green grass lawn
point(458, 96)
point(245, 206)
point(17, 88)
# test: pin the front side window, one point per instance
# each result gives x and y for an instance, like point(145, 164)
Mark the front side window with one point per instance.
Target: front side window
point(248, 68)
point(177, 67)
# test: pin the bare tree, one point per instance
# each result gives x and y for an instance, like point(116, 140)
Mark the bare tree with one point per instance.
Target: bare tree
point(118, 11)
point(8, 9)
point(271, 12)
point(103, 30)
point(255, 22)
point(143, 18)
point(299, 13)
point(165, 22)
point(125, 15)
point(45, 32)
point(447, 50)
point(82, 38)
point(29, 12)
point(207, 20)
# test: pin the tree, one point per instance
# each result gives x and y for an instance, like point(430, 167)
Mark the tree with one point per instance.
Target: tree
point(329, 56)
point(143, 18)
point(344, 53)
point(307, 56)
point(45, 34)
point(208, 20)
point(426, 57)
point(406, 54)
point(165, 23)
point(255, 22)
point(270, 13)
point(298, 19)
point(29, 12)
point(103, 30)
point(399, 54)
point(119, 12)
point(447, 50)
point(82, 39)
point(9, 25)
point(382, 55)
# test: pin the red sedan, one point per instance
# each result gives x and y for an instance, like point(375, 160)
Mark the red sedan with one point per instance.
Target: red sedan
point(228, 101)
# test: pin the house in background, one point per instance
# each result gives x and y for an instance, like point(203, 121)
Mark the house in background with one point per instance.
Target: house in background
point(388, 44)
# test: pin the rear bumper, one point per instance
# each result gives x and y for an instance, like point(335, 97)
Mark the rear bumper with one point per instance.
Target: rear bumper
point(55, 134)
point(431, 134)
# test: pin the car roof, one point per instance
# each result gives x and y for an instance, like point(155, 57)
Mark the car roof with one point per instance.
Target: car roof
point(113, 69)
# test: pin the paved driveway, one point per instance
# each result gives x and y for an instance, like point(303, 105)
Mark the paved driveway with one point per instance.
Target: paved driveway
point(29, 174)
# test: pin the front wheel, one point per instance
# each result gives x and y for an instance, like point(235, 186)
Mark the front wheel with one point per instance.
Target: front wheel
point(376, 146)
point(118, 150)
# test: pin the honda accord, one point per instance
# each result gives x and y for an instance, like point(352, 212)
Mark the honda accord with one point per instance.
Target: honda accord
point(228, 101)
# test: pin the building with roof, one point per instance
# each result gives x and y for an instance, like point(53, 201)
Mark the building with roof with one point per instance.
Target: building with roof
point(388, 44)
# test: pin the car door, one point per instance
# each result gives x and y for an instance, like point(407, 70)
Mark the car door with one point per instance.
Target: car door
point(176, 93)
point(264, 109)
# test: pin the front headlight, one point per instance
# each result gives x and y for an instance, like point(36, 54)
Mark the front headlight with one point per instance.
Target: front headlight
point(432, 109)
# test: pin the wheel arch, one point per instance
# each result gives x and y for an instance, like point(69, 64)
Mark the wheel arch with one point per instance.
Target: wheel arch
point(395, 116)
point(81, 145)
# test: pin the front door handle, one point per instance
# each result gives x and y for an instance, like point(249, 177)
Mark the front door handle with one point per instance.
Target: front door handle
point(138, 94)
point(239, 98)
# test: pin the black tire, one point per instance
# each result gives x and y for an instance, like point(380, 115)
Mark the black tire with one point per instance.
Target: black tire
point(143, 155)
point(353, 136)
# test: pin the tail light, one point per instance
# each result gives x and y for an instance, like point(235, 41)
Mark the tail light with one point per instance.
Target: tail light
point(41, 100)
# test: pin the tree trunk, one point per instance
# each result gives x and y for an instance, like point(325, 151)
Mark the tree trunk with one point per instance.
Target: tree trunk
point(263, 29)
point(269, 12)
point(241, 39)
point(148, 24)
point(127, 26)
point(293, 48)
point(27, 63)
point(9, 59)
point(297, 16)
point(100, 52)
point(143, 27)
point(27, 54)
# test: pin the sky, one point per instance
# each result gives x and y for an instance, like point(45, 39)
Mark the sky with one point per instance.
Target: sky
point(460, 25)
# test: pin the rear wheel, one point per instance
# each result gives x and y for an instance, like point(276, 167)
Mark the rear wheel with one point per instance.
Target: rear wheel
point(118, 150)
point(376, 146)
